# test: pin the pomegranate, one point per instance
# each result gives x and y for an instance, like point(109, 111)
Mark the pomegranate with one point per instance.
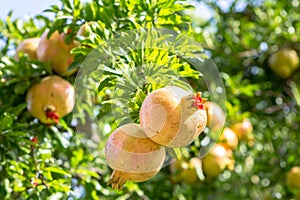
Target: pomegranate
point(284, 62)
point(243, 130)
point(218, 159)
point(28, 47)
point(293, 177)
point(132, 156)
point(50, 99)
point(215, 116)
point(55, 51)
point(228, 139)
point(185, 170)
point(172, 116)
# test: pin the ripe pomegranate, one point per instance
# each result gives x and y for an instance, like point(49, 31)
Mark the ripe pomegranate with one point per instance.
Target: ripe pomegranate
point(243, 130)
point(28, 47)
point(185, 170)
point(228, 139)
point(172, 116)
point(215, 116)
point(217, 160)
point(293, 178)
point(132, 156)
point(284, 62)
point(55, 51)
point(50, 99)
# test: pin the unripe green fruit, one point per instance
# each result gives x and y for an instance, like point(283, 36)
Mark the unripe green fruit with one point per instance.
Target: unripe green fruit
point(284, 62)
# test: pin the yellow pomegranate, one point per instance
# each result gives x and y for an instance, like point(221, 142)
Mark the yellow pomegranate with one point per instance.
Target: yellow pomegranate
point(228, 139)
point(293, 178)
point(172, 116)
point(28, 47)
point(243, 130)
point(55, 51)
point(132, 156)
point(185, 170)
point(50, 99)
point(215, 116)
point(284, 62)
point(217, 160)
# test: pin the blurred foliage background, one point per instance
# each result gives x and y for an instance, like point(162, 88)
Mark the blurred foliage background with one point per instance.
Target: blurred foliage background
point(67, 161)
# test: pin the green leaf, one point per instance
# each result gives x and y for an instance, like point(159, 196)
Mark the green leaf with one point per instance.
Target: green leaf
point(174, 152)
point(58, 170)
point(19, 108)
point(21, 87)
point(77, 157)
point(63, 141)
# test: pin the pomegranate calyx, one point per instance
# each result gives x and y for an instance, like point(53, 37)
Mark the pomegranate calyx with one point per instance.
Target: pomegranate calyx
point(52, 115)
point(199, 101)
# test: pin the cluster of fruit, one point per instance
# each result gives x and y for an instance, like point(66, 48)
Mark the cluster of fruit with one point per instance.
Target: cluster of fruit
point(169, 117)
point(220, 157)
point(53, 97)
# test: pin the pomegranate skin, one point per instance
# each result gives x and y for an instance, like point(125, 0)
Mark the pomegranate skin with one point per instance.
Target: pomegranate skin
point(132, 155)
point(243, 129)
point(53, 94)
point(217, 160)
point(293, 177)
point(169, 117)
point(215, 116)
point(29, 47)
point(55, 51)
point(229, 139)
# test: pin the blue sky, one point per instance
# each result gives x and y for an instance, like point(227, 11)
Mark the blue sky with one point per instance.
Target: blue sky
point(22, 8)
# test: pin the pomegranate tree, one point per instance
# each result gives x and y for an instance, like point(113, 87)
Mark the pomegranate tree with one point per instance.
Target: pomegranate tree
point(57, 52)
point(28, 47)
point(132, 156)
point(172, 116)
point(51, 98)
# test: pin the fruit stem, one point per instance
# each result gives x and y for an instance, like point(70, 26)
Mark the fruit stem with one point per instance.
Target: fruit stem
point(199, 101)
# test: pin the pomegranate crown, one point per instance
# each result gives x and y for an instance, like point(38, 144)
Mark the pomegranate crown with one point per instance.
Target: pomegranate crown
point(53, 115)
point(199, 101)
